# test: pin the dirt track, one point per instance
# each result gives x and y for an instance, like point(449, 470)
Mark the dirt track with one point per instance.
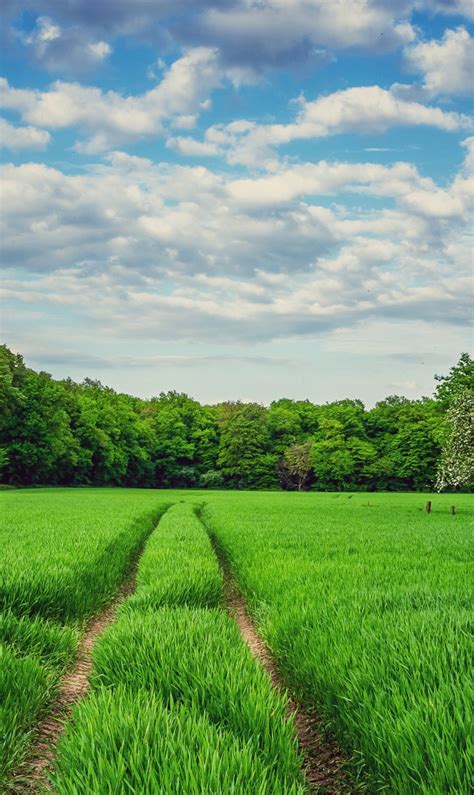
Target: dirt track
point(33, 773)
point(323, 761)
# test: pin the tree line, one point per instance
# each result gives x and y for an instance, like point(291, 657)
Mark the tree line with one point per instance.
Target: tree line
point(59, 432)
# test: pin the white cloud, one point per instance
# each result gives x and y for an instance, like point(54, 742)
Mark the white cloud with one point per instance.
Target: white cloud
point(367, 281)
point(251, 36)
point(164, 252)
point(12, 137)
point(463, 8)
point(99, 49)
point(185, 122)
point(325, 178)
point(370, 109)
point(45, 31)
point(110, 118)
point(207, 222)
point(276, 33)
point(447, 65)
point(71, 49)
point(372, 258)
point(192, 148)
point(361, 110)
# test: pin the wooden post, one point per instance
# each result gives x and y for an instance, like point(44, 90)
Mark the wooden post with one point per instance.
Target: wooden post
point(453, 509)
point(428, 507)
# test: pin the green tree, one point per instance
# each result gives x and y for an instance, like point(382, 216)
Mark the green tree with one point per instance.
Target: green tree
point(245, 457)
point(406, 435)
point(333, 465)
point(185, 435)
point(342, 454)
point(12, 375)
point(459, 379)
point(68, 433)
point(41, 448)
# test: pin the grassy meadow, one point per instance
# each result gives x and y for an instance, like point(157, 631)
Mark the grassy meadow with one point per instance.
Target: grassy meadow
point(64, 554)
point(212, 721)
point(363, 599)
point(366, 603)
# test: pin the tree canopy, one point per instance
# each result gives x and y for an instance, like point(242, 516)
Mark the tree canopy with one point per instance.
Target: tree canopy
point(63, 433)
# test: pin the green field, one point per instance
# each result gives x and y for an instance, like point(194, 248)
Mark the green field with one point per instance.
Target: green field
point(64, 554)
point(363, 599)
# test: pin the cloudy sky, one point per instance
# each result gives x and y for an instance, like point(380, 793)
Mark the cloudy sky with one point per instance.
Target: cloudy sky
point(238, 198)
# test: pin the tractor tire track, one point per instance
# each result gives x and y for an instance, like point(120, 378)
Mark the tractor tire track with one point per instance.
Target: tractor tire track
point(33, 774)
point(323, 760)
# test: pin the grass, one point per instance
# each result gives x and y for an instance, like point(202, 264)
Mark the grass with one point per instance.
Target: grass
point(33, 655)
point(64, 553)
point(178, 566)
point(24, 689)
point(188, 708)
point(49, 643)
point(364, 600)
point(365, 603)
point(145, 747)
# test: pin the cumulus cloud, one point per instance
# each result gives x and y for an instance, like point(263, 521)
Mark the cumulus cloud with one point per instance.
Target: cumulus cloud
point(274, 33)
point(447, 66)
point(365, 282)
point(189, 147)
point(14, 138)
point(111, 118)
point(360, 110)
point(370, 109)
point(147, 253)
point(173, 252)
point(69, 50)
point(325, 178)
point(251, 36)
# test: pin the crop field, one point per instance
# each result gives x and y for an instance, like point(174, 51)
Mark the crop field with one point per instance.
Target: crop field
point(366, 603)
point(363, 600)
point(197, 708)
point(64, 553)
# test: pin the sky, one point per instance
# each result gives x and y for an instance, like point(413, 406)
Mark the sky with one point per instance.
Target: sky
point(238, 199)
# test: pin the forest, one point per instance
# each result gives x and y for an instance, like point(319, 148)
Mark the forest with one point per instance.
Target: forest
point(59, 432)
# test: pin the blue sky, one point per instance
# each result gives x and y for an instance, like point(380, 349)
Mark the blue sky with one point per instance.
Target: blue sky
point(240, 199)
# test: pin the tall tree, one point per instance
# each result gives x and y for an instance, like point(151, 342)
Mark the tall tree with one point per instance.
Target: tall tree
point(185, 439)
point(284, 427)
point(455, 392)
point(245, 457)
point(42, 448)
point(342, 454)
point(459, 379)
point(12, 376)
point(295, 466)
point(456, 466)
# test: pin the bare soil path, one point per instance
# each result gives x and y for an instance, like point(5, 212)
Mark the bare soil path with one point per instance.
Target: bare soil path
point(33, 773)
point(323, 760)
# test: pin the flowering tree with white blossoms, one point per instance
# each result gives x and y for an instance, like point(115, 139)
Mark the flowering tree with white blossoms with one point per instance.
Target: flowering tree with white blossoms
point(456, 466)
